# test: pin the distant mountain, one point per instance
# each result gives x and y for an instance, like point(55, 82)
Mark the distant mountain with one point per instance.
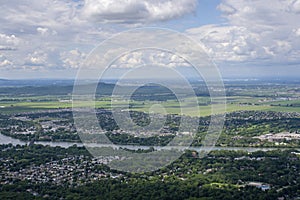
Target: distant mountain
point(57, 89)
point(149, 92)
point(65, 87)
point(34, 82)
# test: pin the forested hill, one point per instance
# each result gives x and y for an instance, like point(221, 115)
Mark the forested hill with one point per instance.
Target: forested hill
point(147, 92)
point(106, 89)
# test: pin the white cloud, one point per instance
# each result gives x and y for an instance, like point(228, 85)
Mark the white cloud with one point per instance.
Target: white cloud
point(8, 42)
point(265, 32)
point(294, 6)
point(297, 32)
point(227, 43)
point(227, 9)
point(37, 58)
point(43, 32)
point(4, 62)
point(72, 59)
point(151, 58)
point(130, 60)
point(132, 11)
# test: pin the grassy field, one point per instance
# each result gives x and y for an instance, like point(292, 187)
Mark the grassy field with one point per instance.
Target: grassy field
point(207, 110)
point(234, 103)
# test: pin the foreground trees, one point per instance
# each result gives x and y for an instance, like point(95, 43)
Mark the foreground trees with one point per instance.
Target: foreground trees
point(220, 175)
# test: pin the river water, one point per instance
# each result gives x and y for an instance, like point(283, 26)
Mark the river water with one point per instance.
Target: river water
point(6, 140)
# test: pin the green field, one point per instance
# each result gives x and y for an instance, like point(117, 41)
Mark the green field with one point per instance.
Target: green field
point(234, 103)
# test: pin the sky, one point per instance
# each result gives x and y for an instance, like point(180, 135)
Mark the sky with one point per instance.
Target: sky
point(245, 38)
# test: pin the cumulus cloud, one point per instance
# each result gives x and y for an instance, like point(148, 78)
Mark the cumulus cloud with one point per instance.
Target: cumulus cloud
point(8, 42)
point(297, 32)
point(40, 31)
point(4, 62)
point(43, 32)
point(37, 58)
point(132, 11)
point(72, 59)
point(228, 43)
point(157, 58)
point(294, 6)
point(227, 9)
point(266, 32)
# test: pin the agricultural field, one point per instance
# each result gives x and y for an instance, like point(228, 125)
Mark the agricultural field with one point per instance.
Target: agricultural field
point(233, 103)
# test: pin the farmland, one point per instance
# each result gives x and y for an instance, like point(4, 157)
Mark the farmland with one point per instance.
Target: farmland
point(234, 103)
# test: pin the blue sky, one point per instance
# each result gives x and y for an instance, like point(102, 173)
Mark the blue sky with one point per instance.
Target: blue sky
point(50, 39)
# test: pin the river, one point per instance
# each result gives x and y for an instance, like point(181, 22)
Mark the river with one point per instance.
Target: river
point(6, 140)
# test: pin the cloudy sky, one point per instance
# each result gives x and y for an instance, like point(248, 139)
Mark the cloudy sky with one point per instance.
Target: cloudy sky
point(245, 38)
